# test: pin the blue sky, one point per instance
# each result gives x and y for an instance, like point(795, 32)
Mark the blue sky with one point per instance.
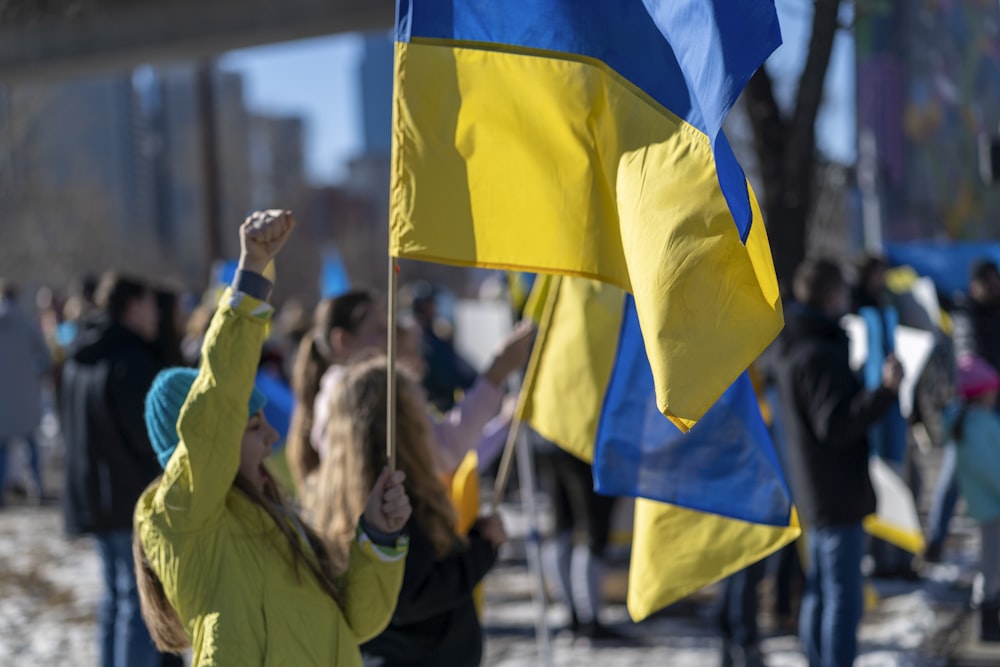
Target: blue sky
point(318, 79)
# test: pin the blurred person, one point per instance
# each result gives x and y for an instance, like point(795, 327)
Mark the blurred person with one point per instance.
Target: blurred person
point(976, 332)
point(976, 432)
point(826, 415)
point(435, 621)
point(194, 333)
point(354, 324)
point(170, 328)
point(447, 372)
point(292, 323)
point(343, 326)
point(25, 359)
point(888, 437)
point(78, 310)
point(573, 556)
point(226, 565)
point(738, 603)
point(109, 460)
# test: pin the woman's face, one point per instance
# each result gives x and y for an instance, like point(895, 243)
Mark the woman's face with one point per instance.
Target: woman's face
point(258, 439)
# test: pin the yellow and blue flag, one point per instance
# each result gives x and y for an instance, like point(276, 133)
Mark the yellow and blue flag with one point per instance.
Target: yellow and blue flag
point(709, 502)
point(583, 137)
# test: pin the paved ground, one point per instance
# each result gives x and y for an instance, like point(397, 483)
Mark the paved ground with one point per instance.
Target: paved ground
point(49, 588)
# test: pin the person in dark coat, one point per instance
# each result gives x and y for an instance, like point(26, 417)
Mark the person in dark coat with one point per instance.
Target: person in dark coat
point(109, 460)
point(827, 413)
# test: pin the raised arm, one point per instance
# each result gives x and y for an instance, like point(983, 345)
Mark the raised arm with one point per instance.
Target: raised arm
point(214, 415)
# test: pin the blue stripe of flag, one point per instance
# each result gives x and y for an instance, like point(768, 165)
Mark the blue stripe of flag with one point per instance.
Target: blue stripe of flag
point(725, 465)
point(694, 57)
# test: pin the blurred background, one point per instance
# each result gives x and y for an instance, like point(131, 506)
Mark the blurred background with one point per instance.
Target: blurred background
point(137, 134)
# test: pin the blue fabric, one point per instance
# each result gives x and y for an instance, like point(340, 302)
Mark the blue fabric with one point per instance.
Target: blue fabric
point(888, 436)
point(725, 465)
point(333, 279)
point(693, 57)
point(280, 401)
point(833, 600)
point(226, 271)
point(947, 264)
point(944, 500)
point(163, 407)
point(123, 640)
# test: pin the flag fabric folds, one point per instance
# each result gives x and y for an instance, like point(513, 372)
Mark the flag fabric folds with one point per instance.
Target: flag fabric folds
point(583, 137)
point(709, 502)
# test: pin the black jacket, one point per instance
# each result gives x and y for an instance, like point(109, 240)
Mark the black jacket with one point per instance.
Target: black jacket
point(977, 331)
point(109, 460)
point(435, 622)
point(826, 414)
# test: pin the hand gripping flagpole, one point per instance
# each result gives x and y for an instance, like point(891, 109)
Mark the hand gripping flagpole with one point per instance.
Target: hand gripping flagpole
point(390, 413)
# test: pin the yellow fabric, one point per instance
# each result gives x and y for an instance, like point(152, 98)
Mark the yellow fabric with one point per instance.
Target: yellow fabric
point(908, 539)
point(676, 551)
point(464, 485)
point(224, 565)
point(575, 353)
point(580, 173)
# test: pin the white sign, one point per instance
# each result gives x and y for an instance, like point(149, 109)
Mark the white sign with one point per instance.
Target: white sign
point(913, 349)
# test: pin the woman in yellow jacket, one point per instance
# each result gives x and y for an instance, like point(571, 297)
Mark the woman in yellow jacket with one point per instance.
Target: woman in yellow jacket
point(224, 566)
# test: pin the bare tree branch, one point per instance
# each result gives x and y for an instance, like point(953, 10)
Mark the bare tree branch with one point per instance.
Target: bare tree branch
point(802, 131)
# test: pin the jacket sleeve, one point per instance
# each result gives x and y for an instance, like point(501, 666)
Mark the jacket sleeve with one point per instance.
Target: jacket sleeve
point(987, 458)
point(839, 410)
point(431, 585)
point(214, 416)
point(127, 387)
point(372, 581)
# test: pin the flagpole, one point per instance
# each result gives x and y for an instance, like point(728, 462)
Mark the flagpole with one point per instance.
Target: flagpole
point(533, 547)
point(390, 413)
point(507, 460)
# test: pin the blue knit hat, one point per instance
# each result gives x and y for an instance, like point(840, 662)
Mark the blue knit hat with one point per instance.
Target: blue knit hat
point(163, 407)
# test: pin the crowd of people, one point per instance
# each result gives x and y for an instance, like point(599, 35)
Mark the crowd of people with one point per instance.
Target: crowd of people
point(167, 438)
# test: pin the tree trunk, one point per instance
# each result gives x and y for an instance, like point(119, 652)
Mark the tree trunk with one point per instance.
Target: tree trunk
point(786, 145)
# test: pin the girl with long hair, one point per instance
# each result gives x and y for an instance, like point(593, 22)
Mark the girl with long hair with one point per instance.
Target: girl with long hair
point(224, 565)
point(342, 327)
point(435, 621)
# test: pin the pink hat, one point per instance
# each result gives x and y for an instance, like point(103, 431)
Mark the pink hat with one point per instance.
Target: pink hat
point(976, 377)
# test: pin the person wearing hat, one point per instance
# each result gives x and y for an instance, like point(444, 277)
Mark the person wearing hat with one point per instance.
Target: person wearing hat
point(976, 331)
point(224, 565)
point(976, 432)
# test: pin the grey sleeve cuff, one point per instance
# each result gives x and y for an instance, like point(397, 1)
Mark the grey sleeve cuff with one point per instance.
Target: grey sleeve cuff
point(252, 284)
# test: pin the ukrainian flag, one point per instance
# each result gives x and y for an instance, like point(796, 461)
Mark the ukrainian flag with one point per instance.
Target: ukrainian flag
point(709, 502)
point(583, 137)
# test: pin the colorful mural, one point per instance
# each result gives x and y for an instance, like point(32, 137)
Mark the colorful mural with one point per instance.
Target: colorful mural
point(928, 89)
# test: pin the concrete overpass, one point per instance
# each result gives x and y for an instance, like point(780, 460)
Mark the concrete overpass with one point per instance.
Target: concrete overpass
point(65, 38)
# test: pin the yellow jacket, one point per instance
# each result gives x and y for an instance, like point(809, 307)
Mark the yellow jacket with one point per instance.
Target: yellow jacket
point(224, 565)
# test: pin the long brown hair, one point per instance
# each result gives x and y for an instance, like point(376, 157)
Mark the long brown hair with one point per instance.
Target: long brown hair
point(355, 446)
point(164, 623)
point(314, 357)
